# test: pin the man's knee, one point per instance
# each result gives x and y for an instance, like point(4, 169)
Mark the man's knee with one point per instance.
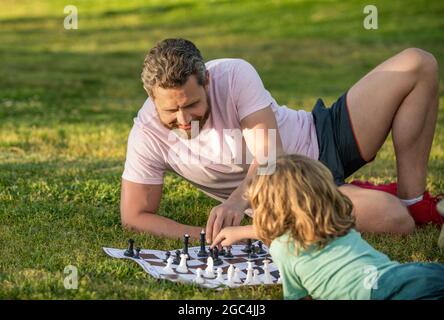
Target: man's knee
point(402, 224)
point(398, 220)
point(421, 61)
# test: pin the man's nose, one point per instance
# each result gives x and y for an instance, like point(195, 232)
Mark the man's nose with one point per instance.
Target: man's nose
point(183, 117)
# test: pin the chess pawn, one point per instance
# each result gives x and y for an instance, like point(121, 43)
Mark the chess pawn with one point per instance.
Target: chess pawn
point(247, 248)
point(249, 278)
point(220, 277)
point(255, 279)
point(167, 255)
point(260, 250)
point(209, 271)
point(230, 276)
point(177, 258)
point(168, 269)
point(230, 271)
point(267, 275)
point(252, 254)
point(228, 254)
point(199, 279)
point(182, 268)
point(236, 278)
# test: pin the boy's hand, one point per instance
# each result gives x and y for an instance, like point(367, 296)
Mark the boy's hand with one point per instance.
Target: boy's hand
point(229, 213)
point(231, 235)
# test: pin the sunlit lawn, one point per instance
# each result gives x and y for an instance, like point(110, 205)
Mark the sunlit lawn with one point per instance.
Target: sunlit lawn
point(68, 98)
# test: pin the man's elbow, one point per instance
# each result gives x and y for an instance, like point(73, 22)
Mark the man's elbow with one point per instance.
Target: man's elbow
point(128, 221)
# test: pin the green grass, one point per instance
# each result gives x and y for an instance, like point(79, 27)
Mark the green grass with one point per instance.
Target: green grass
point(67, 100)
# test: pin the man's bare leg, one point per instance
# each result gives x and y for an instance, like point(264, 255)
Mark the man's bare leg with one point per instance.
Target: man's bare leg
point(378, 212)
point(401, 95)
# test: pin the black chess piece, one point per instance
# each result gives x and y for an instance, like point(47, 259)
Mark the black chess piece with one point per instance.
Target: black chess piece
point(228, 254)
point(167, 255)
point(222, 252)
point(216, 260)
point(202, 252)
point(177, 257)
point(130, 251)
point(247, 248)
point(211, 250)
point(252, 254)
point(137, 255)
point(260, 250)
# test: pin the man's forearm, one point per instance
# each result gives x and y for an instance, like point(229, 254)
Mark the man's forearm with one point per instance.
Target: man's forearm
point(161, 226)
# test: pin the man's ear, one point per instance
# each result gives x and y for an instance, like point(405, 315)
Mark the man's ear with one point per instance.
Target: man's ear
point(207, 79)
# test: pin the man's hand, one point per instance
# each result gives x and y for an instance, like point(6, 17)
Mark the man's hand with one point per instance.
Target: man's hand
point(231, 235)
point(226, 214)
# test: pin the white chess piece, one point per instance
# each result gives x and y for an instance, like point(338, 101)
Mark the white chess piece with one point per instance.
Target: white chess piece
point(255, 279)
point(279, 280)
point(249, 278)
point(267, 275)
point(230, 271)
point(199, 279)
point(168, 269)
point(209, 271)
point(230, 276)
point(236, 278)
point(220, 277)
point(182, 268)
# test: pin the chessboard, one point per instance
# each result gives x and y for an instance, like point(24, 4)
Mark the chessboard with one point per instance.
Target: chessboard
point(153, 262)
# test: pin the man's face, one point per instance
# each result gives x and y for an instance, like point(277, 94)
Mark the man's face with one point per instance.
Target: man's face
point(177, 107)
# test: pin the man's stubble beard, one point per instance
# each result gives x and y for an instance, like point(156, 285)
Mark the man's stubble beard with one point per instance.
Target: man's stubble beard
point(188, 133)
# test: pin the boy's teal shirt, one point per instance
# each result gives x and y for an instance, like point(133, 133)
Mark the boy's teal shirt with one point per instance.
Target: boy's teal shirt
point(346, 268)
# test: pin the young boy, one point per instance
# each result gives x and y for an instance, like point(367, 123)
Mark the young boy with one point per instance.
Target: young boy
point(309, 226)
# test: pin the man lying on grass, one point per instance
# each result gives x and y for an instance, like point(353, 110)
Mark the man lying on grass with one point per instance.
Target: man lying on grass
point(191, 121)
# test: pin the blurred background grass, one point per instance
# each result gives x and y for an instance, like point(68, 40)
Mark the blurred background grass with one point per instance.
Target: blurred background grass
point(68, 97)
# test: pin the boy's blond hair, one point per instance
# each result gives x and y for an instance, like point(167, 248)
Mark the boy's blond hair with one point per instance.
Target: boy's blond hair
point(300, 198)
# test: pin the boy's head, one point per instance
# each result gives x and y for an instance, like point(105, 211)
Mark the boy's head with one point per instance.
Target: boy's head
point(301, 198)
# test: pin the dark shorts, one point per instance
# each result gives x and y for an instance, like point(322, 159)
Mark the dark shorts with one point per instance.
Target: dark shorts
point(338, 148)
point(411, 281)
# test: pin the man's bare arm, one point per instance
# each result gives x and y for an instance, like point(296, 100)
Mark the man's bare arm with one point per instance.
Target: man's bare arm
point(260, 120)
point(231, 211)
point(138, 207)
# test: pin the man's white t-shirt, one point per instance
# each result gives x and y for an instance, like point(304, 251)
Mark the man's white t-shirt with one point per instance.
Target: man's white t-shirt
point(211, 161)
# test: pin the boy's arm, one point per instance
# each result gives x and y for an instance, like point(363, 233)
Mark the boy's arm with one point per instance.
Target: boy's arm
point(231, 235)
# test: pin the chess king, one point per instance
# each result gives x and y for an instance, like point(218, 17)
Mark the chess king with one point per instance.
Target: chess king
point(197, 108)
